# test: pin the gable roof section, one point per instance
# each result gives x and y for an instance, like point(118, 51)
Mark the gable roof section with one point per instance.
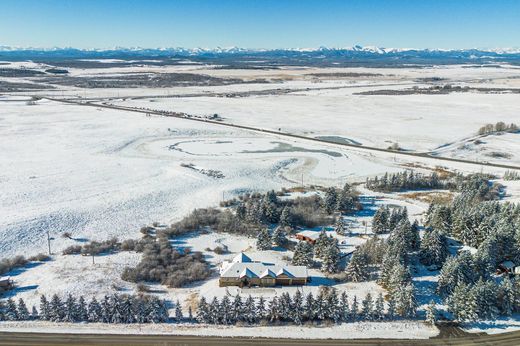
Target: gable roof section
point(242, 258)
point(235, 270)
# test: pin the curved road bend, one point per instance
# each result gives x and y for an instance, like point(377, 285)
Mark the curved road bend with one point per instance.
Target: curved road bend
point(44, 339)
point(286, 134)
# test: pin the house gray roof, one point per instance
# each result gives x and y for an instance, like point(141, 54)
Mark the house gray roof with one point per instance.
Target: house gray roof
point(257, 269)
point(241, 258)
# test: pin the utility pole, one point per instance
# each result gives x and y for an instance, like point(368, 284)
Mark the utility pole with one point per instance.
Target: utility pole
point(93, 262)
point(49, 242)
point(302, 179)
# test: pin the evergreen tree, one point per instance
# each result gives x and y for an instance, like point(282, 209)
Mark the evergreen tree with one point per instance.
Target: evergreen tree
point(340, 227)
point(106, 310)
point(331, 200)
point(23, 312)
point(333, 311)
point(279, 238)
point(320, 309)
point(392, 308)
point(379, 308)
point(56, 309)
point(70, 309)
point(11, 311)
point(44, 308)
point(286, 218)
point(222, 312)
point(202, 311)
point(357, 269)
point(434, 248)
point(354, 309)
point(309, 307)
point(272, 312)
point(506, 297)
point(462, 304)
point(367, 307)
point(94, 311)
point(178, 311)
point(303, 254)
point(406, 302)
point(260, 308)
point(297, 308)
point(431, 313)
point(237, 309)
point(321, 244)
point(380, 220)
point(250, 315)
point(344, 307)
point(331, 259)
point(263, 241)
point(34, 313)
point(82, 311)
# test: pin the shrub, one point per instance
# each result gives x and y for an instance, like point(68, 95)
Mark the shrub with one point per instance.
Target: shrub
point(161, 263)
point(41, 257)
point(6, 265)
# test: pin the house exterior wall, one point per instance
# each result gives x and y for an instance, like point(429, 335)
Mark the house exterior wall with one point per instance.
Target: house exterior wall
point(265, 282)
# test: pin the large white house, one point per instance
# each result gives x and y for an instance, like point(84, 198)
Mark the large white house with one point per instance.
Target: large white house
point(242, 271)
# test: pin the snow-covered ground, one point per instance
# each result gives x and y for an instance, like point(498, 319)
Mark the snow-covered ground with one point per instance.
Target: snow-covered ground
point(358, 330)
point(99, 173)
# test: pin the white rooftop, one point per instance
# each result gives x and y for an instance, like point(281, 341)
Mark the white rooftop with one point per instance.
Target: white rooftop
point(257, 269)
point(310, 234)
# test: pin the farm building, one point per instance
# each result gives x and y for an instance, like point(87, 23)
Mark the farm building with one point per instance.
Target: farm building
point(506, 267)
point(308, 236)
point(242, 271)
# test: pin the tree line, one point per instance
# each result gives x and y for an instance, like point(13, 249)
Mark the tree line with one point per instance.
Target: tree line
point(300, 308)
point(111, 309)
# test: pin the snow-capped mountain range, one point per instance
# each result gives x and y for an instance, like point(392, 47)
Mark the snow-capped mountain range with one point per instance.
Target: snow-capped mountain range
point(238, 50)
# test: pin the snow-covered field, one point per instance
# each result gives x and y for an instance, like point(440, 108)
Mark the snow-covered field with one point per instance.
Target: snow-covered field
point(99, 173)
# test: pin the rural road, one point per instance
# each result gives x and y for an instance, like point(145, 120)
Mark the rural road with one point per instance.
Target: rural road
point(286, 134)
point(21, 339)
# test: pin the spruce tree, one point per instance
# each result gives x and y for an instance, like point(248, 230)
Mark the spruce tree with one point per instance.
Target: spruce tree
point(279, 238)
point(94, 311)
point(11, 311)
point(367, 307)
point(331, 200)
point(202, 315)
point(82, 311)
point(303, 254)
point(331, 259)
point(297, 308)
point(357, 269)
point(250, 315)
point(260, 308)
point(286, 218)
point(34, 313)
point(178, 311)
point(23, 312)
point(44, 308)
point(263, 241)
point(431, 313)
point(340, 227)
point(379, 308)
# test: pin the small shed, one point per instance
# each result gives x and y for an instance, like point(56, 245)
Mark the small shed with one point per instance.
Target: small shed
point(506, 267)
point(308, 236)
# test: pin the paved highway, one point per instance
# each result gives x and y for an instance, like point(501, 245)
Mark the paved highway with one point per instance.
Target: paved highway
point(288, 135)
point(43, 339)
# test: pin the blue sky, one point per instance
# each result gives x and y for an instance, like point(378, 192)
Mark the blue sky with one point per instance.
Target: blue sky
point(260, 24)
